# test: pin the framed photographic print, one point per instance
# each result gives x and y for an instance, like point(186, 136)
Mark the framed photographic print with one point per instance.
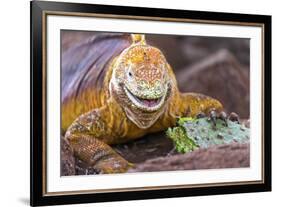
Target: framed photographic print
point(138, 103)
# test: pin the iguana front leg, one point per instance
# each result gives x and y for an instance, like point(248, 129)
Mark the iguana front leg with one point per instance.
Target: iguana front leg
point(195, 104)
point(88, 136)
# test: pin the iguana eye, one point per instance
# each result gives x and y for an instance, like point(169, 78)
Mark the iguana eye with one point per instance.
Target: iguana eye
point(130, 73)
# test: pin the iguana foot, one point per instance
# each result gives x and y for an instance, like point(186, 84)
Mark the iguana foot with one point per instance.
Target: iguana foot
point(214, 115)
point(234, 117)
point(112, 164)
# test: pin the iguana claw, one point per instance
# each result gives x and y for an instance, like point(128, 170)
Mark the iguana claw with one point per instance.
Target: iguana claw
point(234, 117)
point(223, 116)
point(213, 116)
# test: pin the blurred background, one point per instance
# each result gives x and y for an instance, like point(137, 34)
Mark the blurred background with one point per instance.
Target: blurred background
point(214, 66)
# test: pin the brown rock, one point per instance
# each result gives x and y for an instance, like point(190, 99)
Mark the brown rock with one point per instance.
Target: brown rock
point(196, 48)
point(220, 76)
point(67, 159)
point(223, 156)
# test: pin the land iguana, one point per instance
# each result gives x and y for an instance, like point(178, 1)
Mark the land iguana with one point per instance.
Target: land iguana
point(121, 96)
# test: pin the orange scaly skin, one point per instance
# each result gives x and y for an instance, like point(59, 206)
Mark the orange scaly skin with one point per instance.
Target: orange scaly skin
point(139, 96)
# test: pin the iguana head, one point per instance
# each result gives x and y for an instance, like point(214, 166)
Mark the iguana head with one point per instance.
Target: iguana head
point(140, 82)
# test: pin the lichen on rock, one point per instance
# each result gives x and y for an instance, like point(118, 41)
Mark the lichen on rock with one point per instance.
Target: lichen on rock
point(193, 133)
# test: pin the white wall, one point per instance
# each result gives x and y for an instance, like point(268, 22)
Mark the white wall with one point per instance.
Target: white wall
point(14, 102)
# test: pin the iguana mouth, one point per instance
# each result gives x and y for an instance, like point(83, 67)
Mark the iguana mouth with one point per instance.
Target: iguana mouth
point(143, 103)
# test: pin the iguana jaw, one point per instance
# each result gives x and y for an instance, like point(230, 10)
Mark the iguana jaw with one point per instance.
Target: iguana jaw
point(143, 117)
point(143, 120)
point(152, 104)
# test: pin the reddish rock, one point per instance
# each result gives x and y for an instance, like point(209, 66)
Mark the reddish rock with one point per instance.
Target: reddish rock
point(220, 76)
point(222, 156)
point(196, 48)
point(67, 159)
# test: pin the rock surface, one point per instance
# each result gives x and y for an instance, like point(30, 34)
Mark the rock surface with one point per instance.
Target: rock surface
point(220, 76)
point(67, 159)
point(222, 156)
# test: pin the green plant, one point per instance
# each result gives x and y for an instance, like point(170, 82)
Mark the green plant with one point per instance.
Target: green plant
point(193, 133)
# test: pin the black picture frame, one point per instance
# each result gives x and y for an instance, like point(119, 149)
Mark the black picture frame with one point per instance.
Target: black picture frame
point(38, 102)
